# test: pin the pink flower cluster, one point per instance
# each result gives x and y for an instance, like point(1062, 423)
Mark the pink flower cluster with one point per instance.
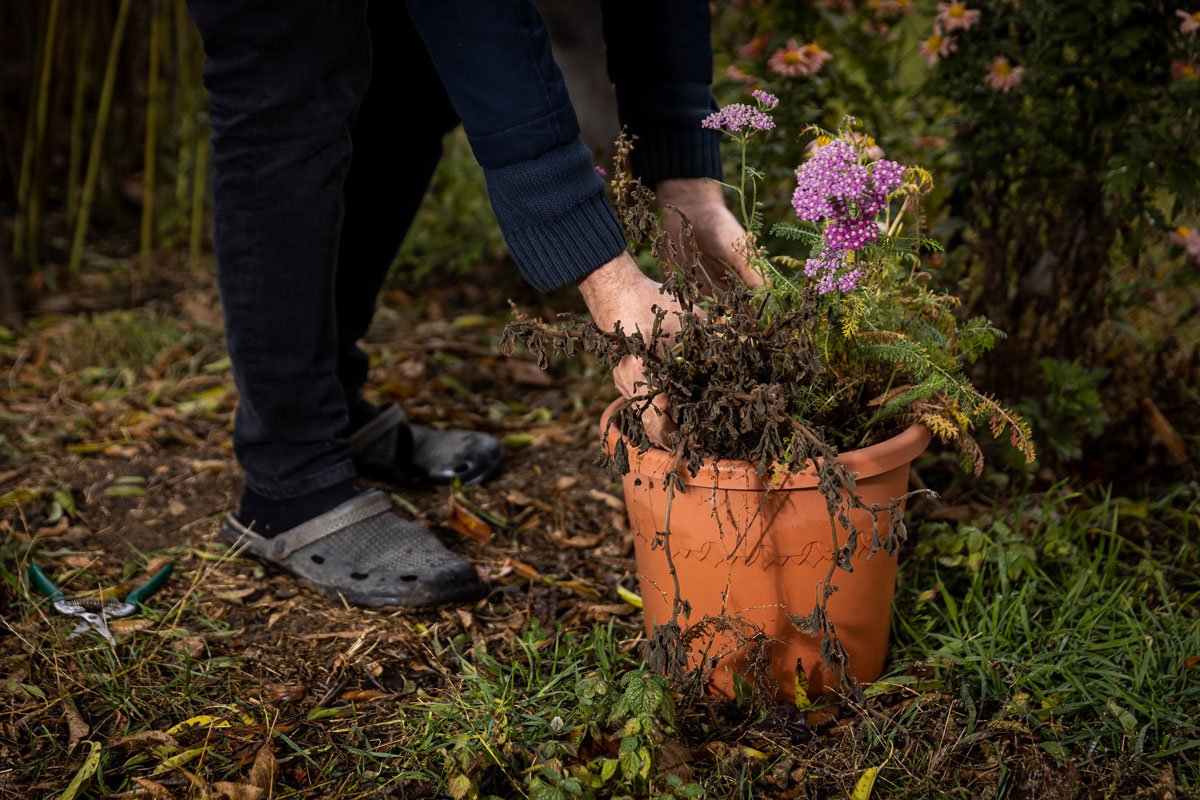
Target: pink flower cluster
point(829, 267)
point(834, 186)
point(738, 116)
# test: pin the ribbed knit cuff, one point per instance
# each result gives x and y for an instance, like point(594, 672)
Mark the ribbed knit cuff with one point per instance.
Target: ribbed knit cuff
point(689, 152)
point(554, 215)
point(569, 247)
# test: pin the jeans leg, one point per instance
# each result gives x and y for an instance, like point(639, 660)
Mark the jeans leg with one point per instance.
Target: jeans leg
point(397, 136)
point(285, 78)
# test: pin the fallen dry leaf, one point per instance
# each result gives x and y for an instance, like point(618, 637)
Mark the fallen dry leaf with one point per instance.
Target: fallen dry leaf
point(285, 691)
point(366, 695)
point(526, 373)
point(576, 542)
point(143, 739)
point(265, 768)
point(1165, 430)
point(77, 729)
point(468, 523)
point(154, 789)
point(238, 791)
point(309, 637)
point(522, 569)
point(612, 501)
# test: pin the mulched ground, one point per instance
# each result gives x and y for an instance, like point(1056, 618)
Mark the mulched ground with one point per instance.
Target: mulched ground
point(115, 435)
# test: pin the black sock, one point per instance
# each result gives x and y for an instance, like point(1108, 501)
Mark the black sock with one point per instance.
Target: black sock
point(268, 517)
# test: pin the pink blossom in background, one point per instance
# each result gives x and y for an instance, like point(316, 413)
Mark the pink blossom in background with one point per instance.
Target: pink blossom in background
point(955, 16)
point(840, 6)
point(937, 46)
point(796, 61)
point(1182, 70)
point(733, 72)
point(1190, 21)
point(881, 7)
point(601, 171)
point(1189, 240)
point(754, 48)
point(1003, 76)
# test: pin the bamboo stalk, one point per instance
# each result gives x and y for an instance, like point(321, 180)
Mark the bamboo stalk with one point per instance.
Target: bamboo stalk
point(185, 82)
point(150, 157)
point(199, 184)
point(39, 133)
point(25, 179)
point(79, 95)
point(93, 167)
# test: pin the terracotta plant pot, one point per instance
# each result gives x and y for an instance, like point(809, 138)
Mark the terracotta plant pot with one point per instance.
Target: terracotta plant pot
point(741, 550)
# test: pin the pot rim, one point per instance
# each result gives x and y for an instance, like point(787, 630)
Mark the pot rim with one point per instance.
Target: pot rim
point(729, 474)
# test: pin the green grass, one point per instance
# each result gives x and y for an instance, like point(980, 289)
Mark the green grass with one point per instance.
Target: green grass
point(1048, 651)
point(1055, 619)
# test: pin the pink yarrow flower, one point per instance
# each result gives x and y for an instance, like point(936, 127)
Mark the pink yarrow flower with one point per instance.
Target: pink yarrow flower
point(736, 117)
point(1003, 76)
point(955, 16)
point(937, 46)
point(796, 61)
point(1189, 21)
point(767, 100)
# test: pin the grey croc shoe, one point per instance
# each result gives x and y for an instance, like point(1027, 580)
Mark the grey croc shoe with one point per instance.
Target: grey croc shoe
point(365, 553)
point(391, 448)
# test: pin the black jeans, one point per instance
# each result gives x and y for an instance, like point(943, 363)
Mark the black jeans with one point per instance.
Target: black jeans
point(319, 166)
point(328, 117)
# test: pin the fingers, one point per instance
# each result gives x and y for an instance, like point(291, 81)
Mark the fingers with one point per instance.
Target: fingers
point(655, 419)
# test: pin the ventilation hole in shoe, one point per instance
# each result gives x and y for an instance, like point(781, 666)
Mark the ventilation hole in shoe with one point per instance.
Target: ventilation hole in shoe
point(408, 578)
point(359, 576)
point(318, 559)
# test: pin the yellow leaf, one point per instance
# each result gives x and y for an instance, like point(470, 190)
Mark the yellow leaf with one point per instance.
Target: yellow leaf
point(85, 772)
point(177, 760)
point(633, 599)
point(802, 701)
point(196, 722)
point(865, 784)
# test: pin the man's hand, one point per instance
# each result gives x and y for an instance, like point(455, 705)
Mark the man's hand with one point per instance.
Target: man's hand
point(620, 292)
point(719, 235)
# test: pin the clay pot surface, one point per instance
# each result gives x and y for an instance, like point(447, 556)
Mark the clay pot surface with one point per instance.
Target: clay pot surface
point(742, 550)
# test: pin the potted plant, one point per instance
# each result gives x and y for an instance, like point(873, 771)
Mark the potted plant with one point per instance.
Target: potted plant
point(767, 530)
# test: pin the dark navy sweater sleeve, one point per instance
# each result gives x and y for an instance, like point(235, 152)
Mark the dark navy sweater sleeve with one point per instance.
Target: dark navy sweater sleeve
point(660, 60)
point(493, 56)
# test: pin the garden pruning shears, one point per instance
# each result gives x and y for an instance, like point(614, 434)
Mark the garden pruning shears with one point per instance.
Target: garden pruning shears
point(95, 614)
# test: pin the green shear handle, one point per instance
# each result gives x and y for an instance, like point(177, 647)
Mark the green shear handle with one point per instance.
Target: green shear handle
point(97, 620)
point(138, 595)
point(143, 592)
point(48, 587)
